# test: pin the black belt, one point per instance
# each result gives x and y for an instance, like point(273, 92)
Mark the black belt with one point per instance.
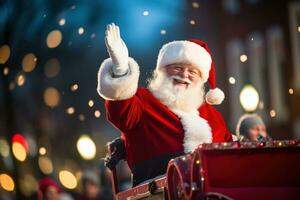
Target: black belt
point(152, 167)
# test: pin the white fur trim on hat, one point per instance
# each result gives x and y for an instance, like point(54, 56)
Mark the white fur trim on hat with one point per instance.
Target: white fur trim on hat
point(117, 88)
point(185, 52)
point(214, 96)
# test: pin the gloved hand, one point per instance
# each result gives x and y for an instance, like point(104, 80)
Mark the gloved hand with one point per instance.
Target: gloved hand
point(117, 50)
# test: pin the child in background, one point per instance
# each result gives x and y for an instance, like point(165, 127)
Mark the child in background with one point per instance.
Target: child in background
point(251, 127)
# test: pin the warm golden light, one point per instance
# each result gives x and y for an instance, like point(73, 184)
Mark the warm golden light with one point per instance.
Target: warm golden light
point(45, 165)
point(5, 71)
point(67, 179)
point(291, 91)
point(51, 97)
point(272, 113)
point(192, 22)
point(231, 80)
point(299, 29)
point(243, 58)
point(42, 151)
point(249, 98)
point(29, 62)
point(86, 147)
point(52, 67)
point(54, 38)
point(97, 113)
point(19, 151)
point(70, 110)
point(4, 148)
point(20, 79)
point(74, 87)
point(91, 103)
point(6, 182)
point(4, 54)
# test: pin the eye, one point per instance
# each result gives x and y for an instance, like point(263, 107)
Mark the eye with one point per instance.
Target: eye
point(194, 72)
point(177, 68)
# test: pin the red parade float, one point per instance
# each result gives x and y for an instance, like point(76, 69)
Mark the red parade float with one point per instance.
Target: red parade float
point(236, 170)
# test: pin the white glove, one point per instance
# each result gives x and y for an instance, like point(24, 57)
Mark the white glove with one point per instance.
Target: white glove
point(117, 50)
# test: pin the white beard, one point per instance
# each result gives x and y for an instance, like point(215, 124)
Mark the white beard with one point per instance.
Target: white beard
point(174, 97)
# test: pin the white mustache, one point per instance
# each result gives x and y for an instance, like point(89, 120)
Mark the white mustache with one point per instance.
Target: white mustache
point(181, 79)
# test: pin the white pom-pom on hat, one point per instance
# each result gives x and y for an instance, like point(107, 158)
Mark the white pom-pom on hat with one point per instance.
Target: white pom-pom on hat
point(214, 96)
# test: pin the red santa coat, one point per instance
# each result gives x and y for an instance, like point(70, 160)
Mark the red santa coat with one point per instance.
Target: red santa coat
point(150, 129)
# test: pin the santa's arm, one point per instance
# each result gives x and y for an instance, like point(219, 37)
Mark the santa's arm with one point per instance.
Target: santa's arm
point(118, 81)
point(118, 75)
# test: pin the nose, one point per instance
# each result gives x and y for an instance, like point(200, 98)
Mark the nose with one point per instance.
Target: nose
point(185, 73)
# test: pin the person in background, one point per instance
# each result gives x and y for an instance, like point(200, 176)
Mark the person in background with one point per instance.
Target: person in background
point(251, 127)
point(90, 187)
point(48, 189)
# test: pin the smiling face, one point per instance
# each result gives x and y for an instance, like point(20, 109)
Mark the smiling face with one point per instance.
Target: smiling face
point(183, 74)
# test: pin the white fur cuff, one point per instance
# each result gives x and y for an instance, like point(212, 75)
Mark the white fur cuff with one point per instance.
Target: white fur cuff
point(117, 88)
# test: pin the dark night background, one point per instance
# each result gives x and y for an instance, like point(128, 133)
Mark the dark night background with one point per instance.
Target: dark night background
point(266, 32)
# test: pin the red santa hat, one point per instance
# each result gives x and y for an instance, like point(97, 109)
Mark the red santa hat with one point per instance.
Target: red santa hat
point(197, 53)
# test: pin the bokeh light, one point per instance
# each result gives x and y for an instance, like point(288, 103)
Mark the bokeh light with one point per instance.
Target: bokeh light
point(19, 151)
point(243, 58)
point(67, 179)
point(146, 13)
point(231, 80)
point(6, 182)
point(11, 86)
point(5, 71)
point(91, 103)
point(97, 113)
point(81, 117)
point(291, 91)
point(74, 87)
point(163, 32)
point(28, 184)
point(193, 22)
point(195, 4)
point(4, 148)
point(52, 67)
point(62, 22)
point(20, 79)
point(45, 165)
point(51, 97)
point(29, 62)
point(249, 98)
point(86, 147)
point(70, 110)
point(272, 113)
point(54, 39)
point(80, 31)
point(4, 54)
point(42, 151)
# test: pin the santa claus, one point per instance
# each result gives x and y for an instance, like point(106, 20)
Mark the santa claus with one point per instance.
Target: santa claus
point(170, 117)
